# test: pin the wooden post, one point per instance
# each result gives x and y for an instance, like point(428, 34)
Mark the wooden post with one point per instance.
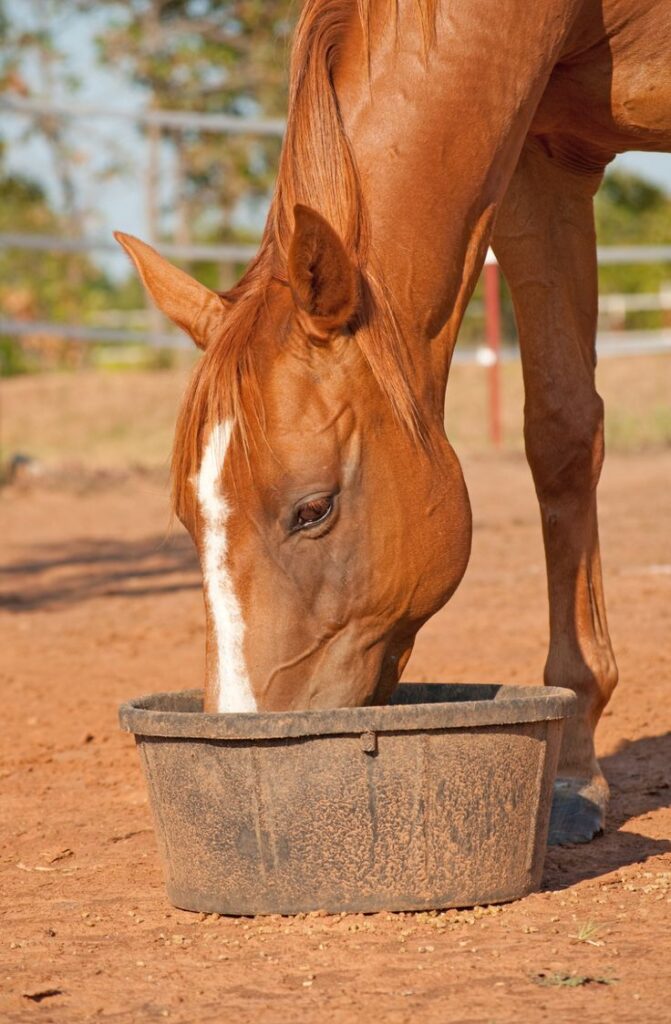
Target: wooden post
point(492, 284)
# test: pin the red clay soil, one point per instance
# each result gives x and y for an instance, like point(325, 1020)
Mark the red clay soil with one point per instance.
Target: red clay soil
point(99, 606)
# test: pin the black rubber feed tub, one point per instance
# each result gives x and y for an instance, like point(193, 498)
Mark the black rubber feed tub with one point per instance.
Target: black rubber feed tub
point(441, 799)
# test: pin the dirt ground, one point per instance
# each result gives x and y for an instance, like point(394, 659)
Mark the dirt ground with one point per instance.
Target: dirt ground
point(101, 603)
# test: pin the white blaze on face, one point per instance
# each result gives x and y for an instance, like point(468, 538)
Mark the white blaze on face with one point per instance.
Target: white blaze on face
point(234, 692)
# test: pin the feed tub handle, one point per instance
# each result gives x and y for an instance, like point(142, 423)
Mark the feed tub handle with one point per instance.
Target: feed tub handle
point(369, 742)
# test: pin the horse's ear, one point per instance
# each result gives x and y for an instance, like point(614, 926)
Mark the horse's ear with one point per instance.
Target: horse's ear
point(321, 274)
point(190, 305)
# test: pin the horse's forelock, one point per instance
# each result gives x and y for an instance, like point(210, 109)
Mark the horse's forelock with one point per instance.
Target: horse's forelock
point(317, 168)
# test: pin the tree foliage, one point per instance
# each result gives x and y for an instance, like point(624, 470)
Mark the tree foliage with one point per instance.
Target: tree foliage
point(44, 286)
point(224, 56)
point(630, 210)
point(227, 56)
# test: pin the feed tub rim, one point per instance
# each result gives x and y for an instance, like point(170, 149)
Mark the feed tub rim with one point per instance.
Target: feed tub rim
point(494, 704)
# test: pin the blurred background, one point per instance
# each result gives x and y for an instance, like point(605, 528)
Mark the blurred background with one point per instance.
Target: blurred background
point(164, 118)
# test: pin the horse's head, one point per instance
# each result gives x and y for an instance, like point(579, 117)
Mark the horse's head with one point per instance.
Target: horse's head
point(327, 533)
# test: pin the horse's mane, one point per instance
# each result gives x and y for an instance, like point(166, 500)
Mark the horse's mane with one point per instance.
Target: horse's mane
point(317, 168)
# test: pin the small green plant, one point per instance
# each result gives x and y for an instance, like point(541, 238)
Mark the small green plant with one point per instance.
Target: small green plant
point(12, 358)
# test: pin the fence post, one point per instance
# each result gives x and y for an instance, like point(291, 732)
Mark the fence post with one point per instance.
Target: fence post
point(492, 283)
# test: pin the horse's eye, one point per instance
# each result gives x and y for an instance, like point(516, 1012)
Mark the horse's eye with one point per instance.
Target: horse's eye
point(312, 512)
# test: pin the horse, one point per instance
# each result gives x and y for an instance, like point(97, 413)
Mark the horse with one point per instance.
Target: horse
point(310, 462)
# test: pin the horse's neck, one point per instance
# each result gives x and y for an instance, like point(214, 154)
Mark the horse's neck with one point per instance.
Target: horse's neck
point(436, 134)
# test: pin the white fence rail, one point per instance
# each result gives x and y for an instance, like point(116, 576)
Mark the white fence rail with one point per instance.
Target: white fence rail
point(606, 254)
point(609, 343)
point(185, 120)
point(617, 305)
point(225, 253)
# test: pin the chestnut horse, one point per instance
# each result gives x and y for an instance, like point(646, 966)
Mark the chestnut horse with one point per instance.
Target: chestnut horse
point(310, 463)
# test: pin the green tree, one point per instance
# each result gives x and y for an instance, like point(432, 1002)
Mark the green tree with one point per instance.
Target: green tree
point(630, 210)
point(225, 56)
point(34, 287)
point(30, 41)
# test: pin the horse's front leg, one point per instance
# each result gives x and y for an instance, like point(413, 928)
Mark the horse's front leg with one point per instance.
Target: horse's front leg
point(544, 240)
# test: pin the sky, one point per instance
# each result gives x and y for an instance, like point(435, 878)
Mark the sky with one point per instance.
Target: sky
point(117, 201)
point(655, 166)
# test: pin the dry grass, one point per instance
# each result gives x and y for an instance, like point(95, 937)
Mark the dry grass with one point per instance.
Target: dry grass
point(637, 393)
point(101, 418)
point(121, 418)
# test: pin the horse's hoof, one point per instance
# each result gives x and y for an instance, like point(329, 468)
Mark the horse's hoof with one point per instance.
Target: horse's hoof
point(578, 811)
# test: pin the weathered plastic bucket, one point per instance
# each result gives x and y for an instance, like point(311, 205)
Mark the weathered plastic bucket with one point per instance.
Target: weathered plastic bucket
point(441, 799)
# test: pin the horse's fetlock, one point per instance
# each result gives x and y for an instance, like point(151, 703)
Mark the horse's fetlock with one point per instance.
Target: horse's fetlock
point(608, 673)
point(592, 674)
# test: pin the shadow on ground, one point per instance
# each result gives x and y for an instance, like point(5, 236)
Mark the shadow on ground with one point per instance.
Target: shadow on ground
point(83, 569)
point(640, 781)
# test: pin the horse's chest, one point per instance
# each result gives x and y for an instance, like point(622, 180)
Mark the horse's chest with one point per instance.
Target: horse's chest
point(613, 91)
point(611, 105)
point(641, 95)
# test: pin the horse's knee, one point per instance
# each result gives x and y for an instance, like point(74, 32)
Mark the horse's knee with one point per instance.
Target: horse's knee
point(564, 445)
